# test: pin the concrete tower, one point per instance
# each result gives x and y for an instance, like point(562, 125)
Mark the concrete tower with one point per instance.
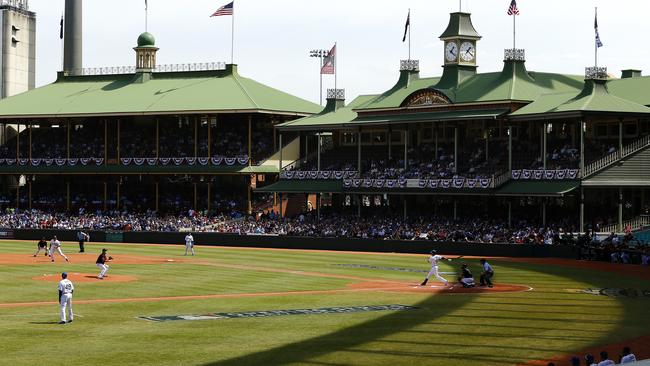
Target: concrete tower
point(72, 41)
point(18, 47)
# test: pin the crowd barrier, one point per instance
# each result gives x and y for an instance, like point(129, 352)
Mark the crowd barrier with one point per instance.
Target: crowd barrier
point(290, 242)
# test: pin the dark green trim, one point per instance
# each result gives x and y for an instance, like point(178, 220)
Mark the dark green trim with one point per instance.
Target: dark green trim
point(303, 186)
point(537, 188)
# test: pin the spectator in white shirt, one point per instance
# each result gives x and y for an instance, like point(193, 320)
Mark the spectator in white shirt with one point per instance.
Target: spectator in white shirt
point(627, 356)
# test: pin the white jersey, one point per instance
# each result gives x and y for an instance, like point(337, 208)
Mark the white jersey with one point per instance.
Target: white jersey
point(434, 260)
point(189, 240)
point(628, 358)
point(66, 286)
point(55, 244)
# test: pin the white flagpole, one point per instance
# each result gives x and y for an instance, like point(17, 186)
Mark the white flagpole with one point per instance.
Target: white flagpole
point(146, 16)
point(409, 16)
point(514, 31)
point(336, 68)
point(232, 33)
point(595, 39)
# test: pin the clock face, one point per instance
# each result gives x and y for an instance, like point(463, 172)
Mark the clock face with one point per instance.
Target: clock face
point(467, 51)
point(451, 52)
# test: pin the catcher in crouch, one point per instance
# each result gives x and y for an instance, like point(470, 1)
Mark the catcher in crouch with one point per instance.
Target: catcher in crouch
point(465, 277)
point(101, 263)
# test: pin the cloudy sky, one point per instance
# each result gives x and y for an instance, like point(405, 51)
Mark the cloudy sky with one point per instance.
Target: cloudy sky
point(273, 37)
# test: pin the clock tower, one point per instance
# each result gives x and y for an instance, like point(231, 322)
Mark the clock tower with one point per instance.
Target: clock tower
point(459, 40)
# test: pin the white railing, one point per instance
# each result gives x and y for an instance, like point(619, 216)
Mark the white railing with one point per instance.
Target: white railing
point(635, 224)
point(501, 179)
point(608, 160)
point(120, 70)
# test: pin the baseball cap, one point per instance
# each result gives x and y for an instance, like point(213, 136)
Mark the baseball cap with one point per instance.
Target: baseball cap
point(433, 251)
point(64, 274)
point(104, 250)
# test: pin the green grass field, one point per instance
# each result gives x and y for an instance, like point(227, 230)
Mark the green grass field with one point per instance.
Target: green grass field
point(446, 329)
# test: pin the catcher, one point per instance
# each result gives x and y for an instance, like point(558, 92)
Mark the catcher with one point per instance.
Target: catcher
point(465, 277)
point(101, 263)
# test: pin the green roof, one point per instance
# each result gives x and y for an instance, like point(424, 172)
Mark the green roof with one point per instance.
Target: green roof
point(331, 116)
point(634, 89)
point(299, 186)
point(429, 117)
point(222, 91)
point(593, 99)
point(514, 82)
point(537, 188)
point(146, 39)
point(460, 26)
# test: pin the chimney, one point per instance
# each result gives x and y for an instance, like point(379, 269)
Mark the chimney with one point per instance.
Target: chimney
point(630, 73)
point(72, 49)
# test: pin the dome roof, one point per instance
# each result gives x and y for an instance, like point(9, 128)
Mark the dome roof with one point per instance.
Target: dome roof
point(146, 39)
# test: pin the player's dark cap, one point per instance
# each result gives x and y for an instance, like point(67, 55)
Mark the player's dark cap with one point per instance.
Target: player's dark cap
point(104, 250)
point(433, 251)
point(464, 265)
point(64, 274)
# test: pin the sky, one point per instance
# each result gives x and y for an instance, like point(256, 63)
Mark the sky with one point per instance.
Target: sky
point(273, 37)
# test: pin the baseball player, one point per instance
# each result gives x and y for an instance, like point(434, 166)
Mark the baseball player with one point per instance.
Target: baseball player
point(465, 278)
point(189, 243)
point(42, 245)
point(82, 237)
point(101, 264)
point(433, 260)
point(488, 273)
point(55, 245)
point(66, 288)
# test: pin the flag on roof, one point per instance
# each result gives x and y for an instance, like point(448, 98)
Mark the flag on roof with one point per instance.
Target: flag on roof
point(598, 42)
point(406, 27)
point(227, 9)
point(513, 10)
point(61, 28)
point(329, 62)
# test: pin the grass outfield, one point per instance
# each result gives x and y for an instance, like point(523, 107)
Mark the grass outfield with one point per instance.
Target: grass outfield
point(446, 329)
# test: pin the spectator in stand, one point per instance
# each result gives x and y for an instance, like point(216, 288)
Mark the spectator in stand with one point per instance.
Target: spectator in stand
point(627, 356)
point(604, 359)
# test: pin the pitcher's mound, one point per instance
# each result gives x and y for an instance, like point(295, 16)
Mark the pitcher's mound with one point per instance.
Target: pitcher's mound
point(85, 277)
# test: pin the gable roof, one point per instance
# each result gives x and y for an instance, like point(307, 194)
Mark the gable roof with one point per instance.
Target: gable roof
point(331, 116)
point(222, 91)
point(594, 98)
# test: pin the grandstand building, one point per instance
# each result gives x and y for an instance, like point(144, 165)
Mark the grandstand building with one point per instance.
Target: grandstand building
point(571, 150)
point(552, 149)
point(166, 138)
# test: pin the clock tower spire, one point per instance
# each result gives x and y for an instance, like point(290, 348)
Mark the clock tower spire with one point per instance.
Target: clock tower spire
point(459, 57)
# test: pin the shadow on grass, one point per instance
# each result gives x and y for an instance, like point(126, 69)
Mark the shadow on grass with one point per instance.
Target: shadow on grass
point(350, 339)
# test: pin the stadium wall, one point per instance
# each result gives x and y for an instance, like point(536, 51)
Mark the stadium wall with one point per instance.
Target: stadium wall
point(286, 242)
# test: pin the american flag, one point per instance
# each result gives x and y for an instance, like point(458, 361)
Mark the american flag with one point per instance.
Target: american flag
point(329, 62)
point(599, 43)
point(224, 10)
point(513, 10)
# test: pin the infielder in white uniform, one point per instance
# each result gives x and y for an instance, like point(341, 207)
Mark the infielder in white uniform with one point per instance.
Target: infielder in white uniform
point(66, 288)
point(433, 260)
point(55, 245)
point(189, 243)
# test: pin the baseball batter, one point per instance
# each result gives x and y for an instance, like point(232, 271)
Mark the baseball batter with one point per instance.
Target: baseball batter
point(433, 260)
point(101, 264)
point(55, 246)
point(42, 245)
point(66, 288)
point(189, 243)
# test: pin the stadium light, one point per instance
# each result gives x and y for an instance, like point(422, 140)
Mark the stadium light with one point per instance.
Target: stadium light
point(321, 54)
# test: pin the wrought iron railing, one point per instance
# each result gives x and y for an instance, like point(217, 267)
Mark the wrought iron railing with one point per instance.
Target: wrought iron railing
point(594, 72)
point(338, 94)
point(120, 70)
point(409, 65)
point(514, 54)
point(19, 4)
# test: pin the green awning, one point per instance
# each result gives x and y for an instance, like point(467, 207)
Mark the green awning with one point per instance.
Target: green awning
point(303, 186)
point(428, 117)
point(537, 188)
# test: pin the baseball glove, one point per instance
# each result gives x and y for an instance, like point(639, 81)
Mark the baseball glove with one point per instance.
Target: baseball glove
point(110, 258)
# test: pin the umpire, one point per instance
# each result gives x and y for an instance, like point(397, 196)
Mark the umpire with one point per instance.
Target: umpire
point(82, 237)
point(488, 273)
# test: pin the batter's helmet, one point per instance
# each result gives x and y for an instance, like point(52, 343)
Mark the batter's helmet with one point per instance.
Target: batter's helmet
point(433, 251)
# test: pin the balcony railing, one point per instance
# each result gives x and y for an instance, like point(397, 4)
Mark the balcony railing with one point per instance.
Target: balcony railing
point(612, 158)
point(122, 70)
